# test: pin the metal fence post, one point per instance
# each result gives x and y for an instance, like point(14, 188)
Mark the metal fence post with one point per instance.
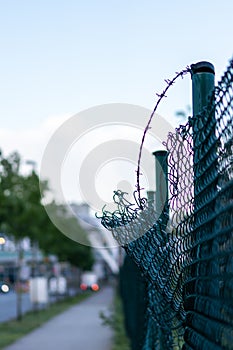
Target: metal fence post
point(151, 198)
point(202, 84)
point(202, 87)
point(161, 182)
point(204, 133)
point(162, 210)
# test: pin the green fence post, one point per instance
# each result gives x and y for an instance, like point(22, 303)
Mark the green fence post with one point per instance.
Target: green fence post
point(202, 84)
point(162, 210)
point(202, 87)
point(161, 182)
point(204, 131)
point(151, 198)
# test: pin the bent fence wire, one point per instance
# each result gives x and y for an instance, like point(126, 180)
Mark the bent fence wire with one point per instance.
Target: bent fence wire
point(186, 256)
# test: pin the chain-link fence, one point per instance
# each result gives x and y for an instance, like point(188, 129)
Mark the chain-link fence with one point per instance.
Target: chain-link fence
point(183, 245)
point(133, 294)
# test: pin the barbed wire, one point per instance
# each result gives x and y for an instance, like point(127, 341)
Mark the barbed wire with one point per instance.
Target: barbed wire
point(170, 83)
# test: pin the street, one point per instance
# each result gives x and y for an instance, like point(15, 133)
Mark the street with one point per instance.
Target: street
point(78, 328)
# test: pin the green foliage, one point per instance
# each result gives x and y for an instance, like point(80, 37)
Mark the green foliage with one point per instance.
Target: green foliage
point(23, 215)
point(53, 241)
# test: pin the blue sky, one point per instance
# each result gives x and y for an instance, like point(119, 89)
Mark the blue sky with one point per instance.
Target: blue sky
point(62, 56)
point(59, 57)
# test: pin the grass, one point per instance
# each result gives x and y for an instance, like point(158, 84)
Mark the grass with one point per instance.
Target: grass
point(116, 322)
point(12, 330)
point(121, 341)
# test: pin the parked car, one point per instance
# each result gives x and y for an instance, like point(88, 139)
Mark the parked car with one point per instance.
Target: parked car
point(89, 281)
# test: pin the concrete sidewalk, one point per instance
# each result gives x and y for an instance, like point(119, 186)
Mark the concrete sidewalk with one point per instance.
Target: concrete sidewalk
point(78, 328)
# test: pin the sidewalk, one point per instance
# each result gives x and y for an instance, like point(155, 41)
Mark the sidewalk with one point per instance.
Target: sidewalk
point(78, 328)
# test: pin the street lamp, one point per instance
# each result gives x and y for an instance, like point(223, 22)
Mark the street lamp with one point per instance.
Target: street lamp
point(2, 241)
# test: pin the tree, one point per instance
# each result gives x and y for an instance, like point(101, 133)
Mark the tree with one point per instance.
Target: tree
point(53, 241)
point(19, 200)
point(23, 215)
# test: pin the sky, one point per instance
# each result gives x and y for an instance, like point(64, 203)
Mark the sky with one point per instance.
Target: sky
point(60, 57)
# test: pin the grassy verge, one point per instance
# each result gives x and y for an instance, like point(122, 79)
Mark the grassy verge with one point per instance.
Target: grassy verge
point(116, 322)
point(121, 341)
point(12, 330)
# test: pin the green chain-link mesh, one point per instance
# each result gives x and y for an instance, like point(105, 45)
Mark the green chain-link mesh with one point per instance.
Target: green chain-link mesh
point(186, 258)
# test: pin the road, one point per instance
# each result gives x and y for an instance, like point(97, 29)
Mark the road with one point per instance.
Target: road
point(78, 328)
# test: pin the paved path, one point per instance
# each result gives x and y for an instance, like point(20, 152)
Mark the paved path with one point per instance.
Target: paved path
point(78, 328)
